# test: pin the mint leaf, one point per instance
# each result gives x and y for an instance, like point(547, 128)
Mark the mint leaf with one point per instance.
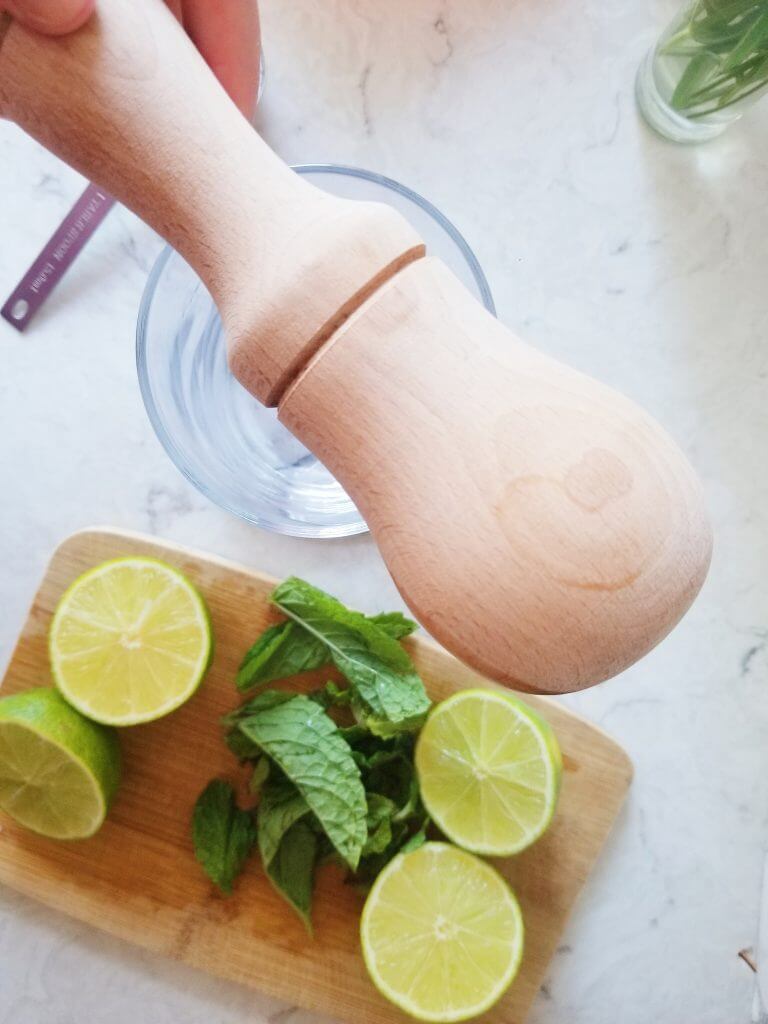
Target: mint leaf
point(306, 745)
point(381, 811)
point(282, 650)
point(260, 774)
point(331, 696)
point(222, 834)
point(403, 840)
point(280, 807)
point(389, 696)
point(394, 624)
point(291, 871)
point(352, 734)
point(372, 864)
point(243, 748)
point(417, 839)
point(288, 844)
point(391, 771)
point(261, 702)
point(395, 810)
point(287, 650)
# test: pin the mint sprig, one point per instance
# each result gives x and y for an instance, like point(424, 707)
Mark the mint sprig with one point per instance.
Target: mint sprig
point(387, 691)
point(332, 769)
point(722, 47)
point(287, 649)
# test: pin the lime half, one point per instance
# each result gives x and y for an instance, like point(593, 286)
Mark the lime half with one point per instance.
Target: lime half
point(442, 933)
point(58, 771)
point(130, 641)
point(489, 770)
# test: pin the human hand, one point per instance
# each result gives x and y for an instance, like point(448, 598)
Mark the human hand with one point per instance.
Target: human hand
point(227, 35)
point(52, 17)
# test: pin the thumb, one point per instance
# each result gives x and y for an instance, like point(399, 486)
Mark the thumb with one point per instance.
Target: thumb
point(52, 17)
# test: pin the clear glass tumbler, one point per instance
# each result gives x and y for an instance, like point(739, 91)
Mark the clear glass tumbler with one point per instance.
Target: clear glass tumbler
point(228, 445)
point(708, 66)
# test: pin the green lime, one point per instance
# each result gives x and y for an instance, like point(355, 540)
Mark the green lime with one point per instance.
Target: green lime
point(130, 641)
point(442, 933)
point(58, 770)
point(489, 770)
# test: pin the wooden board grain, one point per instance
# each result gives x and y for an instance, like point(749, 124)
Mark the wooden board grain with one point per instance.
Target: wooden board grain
point(138, 878)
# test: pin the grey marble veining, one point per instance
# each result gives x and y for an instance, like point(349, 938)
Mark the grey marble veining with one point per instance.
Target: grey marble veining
point(639, 262)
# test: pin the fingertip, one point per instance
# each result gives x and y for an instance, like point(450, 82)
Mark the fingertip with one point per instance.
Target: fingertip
point(51, 17)
point(81, 12)
point(229, 39)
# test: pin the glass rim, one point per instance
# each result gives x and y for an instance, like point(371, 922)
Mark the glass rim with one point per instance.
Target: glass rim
point(172, 450)
point(437, 215)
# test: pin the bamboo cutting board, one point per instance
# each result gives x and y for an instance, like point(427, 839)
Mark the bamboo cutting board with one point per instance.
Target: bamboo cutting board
point(138, 878)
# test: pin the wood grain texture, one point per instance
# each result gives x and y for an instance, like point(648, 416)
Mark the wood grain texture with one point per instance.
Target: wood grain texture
point(129, 102)
point(540, 525)
point(481, 466)
point(138, 879)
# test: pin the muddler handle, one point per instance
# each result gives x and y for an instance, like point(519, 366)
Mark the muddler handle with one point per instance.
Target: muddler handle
point(539, 525)
point(129, 102)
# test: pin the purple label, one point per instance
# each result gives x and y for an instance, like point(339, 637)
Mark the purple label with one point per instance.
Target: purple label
point(57, 256)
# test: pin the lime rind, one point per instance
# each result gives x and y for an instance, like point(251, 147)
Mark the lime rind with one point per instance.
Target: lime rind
point(85, 759)
point(473, 870)
point(518, 837)
point(197, 670)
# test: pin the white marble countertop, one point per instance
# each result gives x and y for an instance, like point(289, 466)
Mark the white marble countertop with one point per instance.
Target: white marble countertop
point(638, 261)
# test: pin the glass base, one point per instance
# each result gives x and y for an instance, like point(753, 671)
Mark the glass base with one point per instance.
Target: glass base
point(226, 443)
point(663, 118)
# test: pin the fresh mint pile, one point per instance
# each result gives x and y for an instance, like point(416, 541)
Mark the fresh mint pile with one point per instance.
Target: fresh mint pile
point(333, 771)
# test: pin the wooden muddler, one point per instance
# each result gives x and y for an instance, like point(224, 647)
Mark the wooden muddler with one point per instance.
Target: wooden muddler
point(540, 525)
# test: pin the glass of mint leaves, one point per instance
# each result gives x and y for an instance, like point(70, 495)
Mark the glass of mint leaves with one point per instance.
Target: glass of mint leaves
point(332, 772)
point(707, 67)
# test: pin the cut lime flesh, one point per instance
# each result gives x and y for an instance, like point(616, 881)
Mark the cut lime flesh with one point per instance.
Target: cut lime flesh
point(58, 770)
point(130, 641)
point(442, 934)
point(489, 769)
